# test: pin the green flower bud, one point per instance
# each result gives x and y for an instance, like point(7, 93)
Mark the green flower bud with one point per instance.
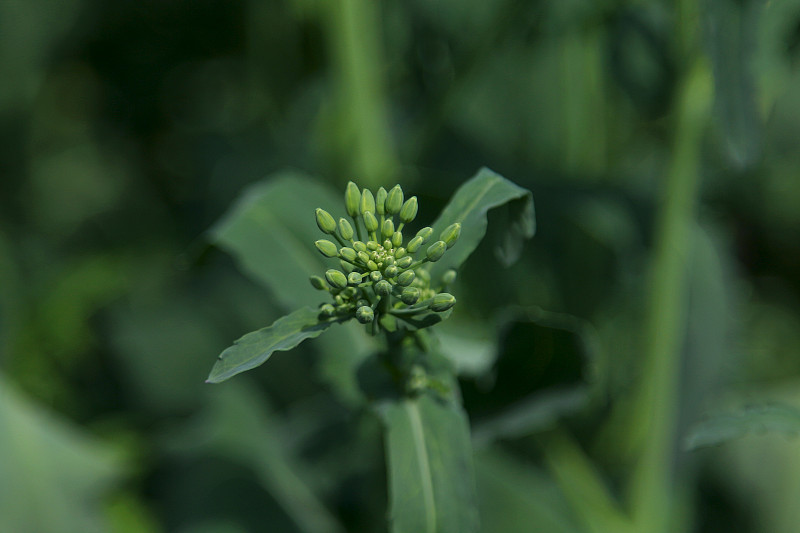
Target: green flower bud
point(336, 278)
point(397, 239)
point(405, 261)
point(354, 278)
point(372, 265)
point(339, 300)
point(325, 221)
point(449, 277)
point(370, 222)
point(383, 288)
point(406, 278)
point(359, 246)
point(346, 267)
point(327, 310)
point(318, 283)
point(410, 295)
point(365, 314)
point(363, 256)
point(375, 276)
point(387, 244)
point(442, 302)
point(348, 254)
point(352, 197)
point(390, 271)
point(388, 228)
point(380, 201)
point(436, 250)
point(394, 200)
point(450, 234)
point(362, 302)
point(345, 229)
point(372, 245)
point(326, 248)
point(425, 234)
point(424, 275)
point(367, 201)
point(349, 292)
point(399, 252)
point(409, 210)
point(414, 244)
point(389, 260)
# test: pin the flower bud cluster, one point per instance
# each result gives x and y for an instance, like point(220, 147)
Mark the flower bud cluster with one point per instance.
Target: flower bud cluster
point(380, 270)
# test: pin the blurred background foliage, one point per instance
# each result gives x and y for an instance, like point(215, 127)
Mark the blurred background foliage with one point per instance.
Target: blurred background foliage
point(128, 129)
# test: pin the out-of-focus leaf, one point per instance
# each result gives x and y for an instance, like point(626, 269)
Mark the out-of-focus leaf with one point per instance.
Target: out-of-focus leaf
point(429, 457)
point(721, 428)
point(515, 497)
point(467, 345)
point(52, 476)
point(469, 206)
point(730, 28)
point(271, 231)
point(541, 374)
point(256, 347)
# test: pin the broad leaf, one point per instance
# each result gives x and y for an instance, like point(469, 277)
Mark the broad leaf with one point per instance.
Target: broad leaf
point(256, 347)
point(777, 418)
point(432, 486)
point(470, 205)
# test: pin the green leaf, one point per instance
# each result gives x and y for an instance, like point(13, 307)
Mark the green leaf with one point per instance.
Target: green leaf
point(429, 456)
point(271, 231)
point(721, 428)
point(256, 347)
point(52, 476)
point(470, 205)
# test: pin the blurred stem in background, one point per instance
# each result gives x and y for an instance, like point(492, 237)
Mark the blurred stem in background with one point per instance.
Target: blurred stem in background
point(362, 124)
point(655, 401)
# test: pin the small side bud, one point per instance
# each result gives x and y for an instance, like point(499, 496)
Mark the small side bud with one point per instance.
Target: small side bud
point(383, 288)
point(436, 250)
point(325, 222)
point(367, 201)
point(449, 277)
point(336, 278)
point(425, 234)
point(390, 271)
point(394, 200)
point(406, 278)
point(410, 295)
point(348, 254)
point(409, 210)
point(327, 310)
point(326, 248)
point(405, 261)
point(450, 234)
point(388, 228)
point(352, 199)
point(354, 278)
point(414, 244)
point(370, 222)
point(318, 283)
point(365, 314)
point(345, 229)
point(397, 239)
point(442, 302)
point(380, 201)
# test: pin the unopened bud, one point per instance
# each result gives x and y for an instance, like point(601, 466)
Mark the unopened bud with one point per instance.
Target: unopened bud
point(375, 276)
point(380, 201)
point(399, 253)
point(372, 245)
point(406, 278)
point(354, 278)
point(367, 201)
point(336, 278)
point(425, 234)
point(325, 221)
point(388, 228)
point(387, 244)
point(442, 302)
point(436, 251)
point(346, 267)
point(348, 254)
point(383, 288)
point(390, 271)
point(352, 197)
point(414, 244)
point(345, 229)
point(318, 283)
point(397, 239)
point(405, 261)
point(410, 295)
point(409, 210)
point(450, 234)
point(394, 200)
point(327, 310)
point(359, 246)
point(326, 248)
point(370, 222)
point(449, 277)
point(365, 314)
point(372, 265)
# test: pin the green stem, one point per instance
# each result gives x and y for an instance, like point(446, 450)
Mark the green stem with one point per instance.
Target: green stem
point(656, 398)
